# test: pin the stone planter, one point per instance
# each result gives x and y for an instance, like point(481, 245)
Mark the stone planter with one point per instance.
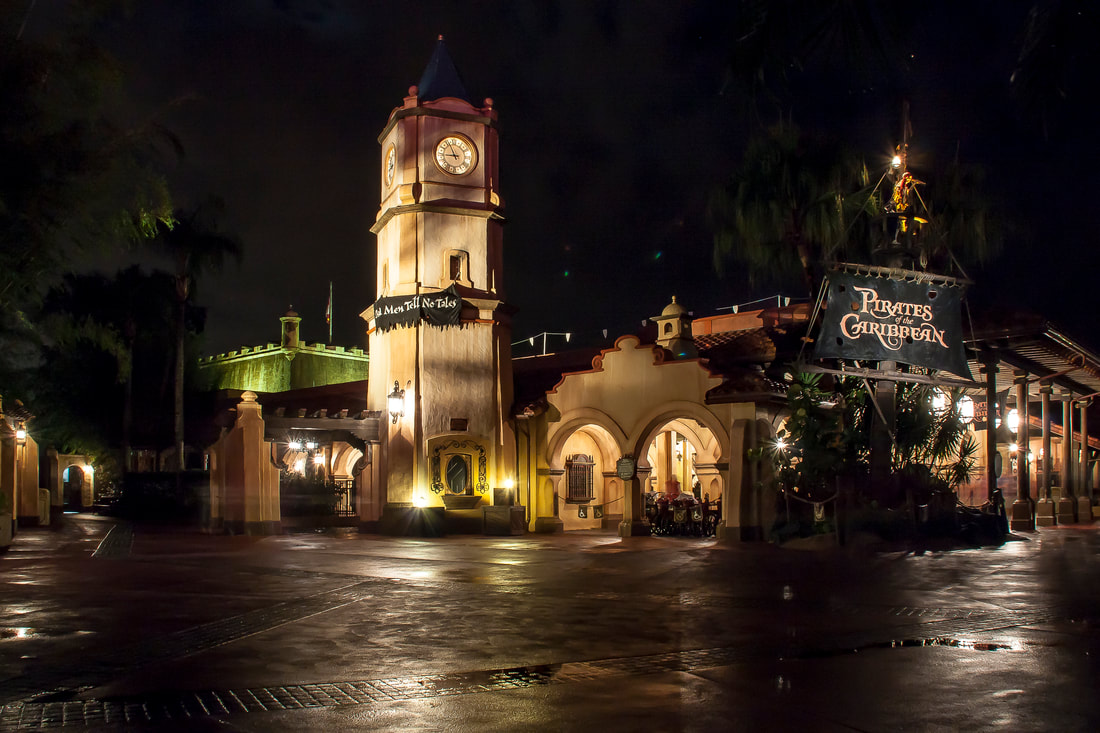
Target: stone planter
point(461, 501)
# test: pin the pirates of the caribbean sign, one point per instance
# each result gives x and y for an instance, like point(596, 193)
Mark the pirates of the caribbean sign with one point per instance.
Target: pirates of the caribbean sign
point(881, 319)
point(436, 309)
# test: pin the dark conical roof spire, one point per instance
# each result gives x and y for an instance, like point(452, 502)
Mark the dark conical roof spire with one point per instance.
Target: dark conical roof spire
point(441, 78)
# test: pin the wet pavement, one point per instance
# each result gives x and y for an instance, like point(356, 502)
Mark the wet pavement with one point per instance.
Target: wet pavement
point(108, 626)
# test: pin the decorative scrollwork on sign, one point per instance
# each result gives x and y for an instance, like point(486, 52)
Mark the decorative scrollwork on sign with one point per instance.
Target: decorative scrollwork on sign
point(438, 487)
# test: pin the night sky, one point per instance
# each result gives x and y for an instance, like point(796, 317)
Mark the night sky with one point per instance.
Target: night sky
point(617, 121)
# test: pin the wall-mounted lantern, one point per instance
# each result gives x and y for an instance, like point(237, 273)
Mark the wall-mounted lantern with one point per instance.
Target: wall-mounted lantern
point(966, 409)
point(940, 401)
point(396, 402)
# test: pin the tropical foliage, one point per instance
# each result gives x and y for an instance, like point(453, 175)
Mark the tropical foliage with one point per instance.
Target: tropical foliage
point(104, 377)
point(75, 180)
point(827, 439)
point(792, 199)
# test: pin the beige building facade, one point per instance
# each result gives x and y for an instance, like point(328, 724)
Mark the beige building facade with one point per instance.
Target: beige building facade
point(458, 436)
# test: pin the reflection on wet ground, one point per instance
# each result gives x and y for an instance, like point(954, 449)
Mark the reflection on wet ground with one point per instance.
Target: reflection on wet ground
point(181, 628)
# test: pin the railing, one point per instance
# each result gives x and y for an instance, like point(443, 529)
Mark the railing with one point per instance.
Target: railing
point(345, 503)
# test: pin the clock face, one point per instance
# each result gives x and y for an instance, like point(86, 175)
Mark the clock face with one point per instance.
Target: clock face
point(391, 164)
point(455, 155)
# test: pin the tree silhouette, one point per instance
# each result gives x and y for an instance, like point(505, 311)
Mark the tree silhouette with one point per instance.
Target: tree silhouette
point(790, 199)
point(195, 247)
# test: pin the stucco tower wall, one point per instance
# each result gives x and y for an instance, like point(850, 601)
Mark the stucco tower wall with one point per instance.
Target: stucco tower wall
point(394, 359)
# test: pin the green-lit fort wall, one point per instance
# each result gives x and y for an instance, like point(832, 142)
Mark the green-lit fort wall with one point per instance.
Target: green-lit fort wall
point(273, 368)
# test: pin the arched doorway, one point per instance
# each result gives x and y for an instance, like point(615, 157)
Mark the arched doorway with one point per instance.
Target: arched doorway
point(587, 492)
point(347, 467)
point(72, 489)
point(680, 464)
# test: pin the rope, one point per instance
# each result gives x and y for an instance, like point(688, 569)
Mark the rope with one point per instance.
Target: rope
point(813, 315)
point(808, 501)
point(848, 229)
point(878, 409)
point(606, 503)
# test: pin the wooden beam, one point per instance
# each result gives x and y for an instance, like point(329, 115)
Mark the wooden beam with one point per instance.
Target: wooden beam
point(893, 376)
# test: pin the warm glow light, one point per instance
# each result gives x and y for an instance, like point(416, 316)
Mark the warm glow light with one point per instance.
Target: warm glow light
point(1012, 447)
point(20, 435)
point(311, 445)
point(395, 401)
point(295, 445)
point(420, 502)
point(966, 409)
point(781, 444)
point(509, 484)
point(300, 465)
point(896, 162)
point(939, 401)
point(1013, 420)
point(91, 469)
point(319, 459)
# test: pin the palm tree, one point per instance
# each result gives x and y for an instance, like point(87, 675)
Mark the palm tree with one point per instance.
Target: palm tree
point(786, 205)
point(965, 225)
point(1057, 54)
point(92, 316)
point(779, 49)
point(195, 246)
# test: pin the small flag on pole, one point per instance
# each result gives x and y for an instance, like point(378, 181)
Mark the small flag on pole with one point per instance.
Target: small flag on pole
point(328, 312)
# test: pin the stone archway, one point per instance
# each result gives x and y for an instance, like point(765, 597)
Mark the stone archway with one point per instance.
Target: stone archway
point(582, 453)
point(682, 447)
point(72, 488)
point(685, 451)
point(700, 427)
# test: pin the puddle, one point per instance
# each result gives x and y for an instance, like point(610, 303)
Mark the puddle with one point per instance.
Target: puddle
point(19, 632)
point(978, 646)
point(26, 632)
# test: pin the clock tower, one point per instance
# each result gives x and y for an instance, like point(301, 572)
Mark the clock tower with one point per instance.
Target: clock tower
point(439, 331)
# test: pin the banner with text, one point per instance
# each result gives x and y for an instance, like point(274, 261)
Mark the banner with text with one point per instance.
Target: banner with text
point(880, 319)
point(443, 308)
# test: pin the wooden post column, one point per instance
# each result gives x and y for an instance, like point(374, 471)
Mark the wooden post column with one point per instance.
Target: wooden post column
point(1022, 516)
point(1084, 484)
point(1067, 505)
point(1044, 508)
point(989, 369)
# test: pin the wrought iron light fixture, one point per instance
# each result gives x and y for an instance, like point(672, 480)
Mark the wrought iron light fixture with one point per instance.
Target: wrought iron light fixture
point(396, 402)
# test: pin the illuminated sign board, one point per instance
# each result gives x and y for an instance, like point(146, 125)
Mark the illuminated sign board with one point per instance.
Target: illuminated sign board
point(883, 319)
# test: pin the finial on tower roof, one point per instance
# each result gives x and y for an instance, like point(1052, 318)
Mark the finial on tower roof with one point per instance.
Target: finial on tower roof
point(441, 78)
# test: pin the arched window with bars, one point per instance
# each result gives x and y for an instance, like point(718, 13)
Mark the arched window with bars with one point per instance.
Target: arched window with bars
point(578, 473)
